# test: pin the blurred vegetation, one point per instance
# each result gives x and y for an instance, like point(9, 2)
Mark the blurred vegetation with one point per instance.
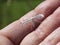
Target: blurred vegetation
point(11, 10)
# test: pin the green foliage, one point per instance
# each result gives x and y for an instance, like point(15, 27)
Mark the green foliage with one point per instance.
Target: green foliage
point(13, 10)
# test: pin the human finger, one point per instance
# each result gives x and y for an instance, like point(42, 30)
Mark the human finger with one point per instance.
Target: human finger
point(46, 27)
point(52, 39)
point(15, 32)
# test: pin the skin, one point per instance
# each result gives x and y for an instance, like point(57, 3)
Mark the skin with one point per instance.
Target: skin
point(53, 38)
point(58, 43)
point(46, 27)
point(14, 33)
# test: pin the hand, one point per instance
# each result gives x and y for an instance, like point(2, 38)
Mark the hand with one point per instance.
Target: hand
point(38, 27)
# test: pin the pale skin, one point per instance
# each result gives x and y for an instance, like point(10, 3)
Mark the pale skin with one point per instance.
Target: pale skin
point(45, 32)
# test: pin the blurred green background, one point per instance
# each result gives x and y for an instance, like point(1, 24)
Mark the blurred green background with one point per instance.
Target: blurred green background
point(11, 10)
